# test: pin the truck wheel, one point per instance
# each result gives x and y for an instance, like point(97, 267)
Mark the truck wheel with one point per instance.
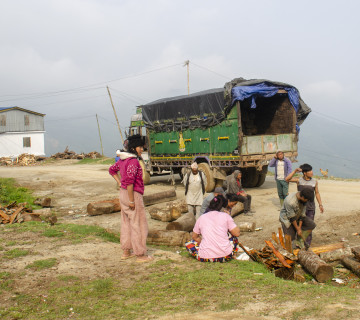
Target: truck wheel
point(250, 177)
point(262, 176)
point(146, 175)
point(204, 167)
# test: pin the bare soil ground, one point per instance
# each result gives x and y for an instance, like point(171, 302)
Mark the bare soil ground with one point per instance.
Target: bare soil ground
point(72, 187)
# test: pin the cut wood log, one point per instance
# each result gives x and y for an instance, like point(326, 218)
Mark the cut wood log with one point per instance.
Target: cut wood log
point(101, 208)
point(237, 209)
point(115, 202)
point(45, 212)
point(247, 226)
point(351, 264)
point(325, 248)
point(164, 214)
point(179, 205)
point(168, 237)
point(318, 268)
point(356, 252)
point(185, 223)
point(30, 217)
point(335, 255)
point(159, 197)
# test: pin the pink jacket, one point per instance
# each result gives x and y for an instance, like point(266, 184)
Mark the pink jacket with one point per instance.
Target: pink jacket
point(130, 171)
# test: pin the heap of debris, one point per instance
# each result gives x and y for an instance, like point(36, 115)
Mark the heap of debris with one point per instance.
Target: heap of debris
point(73, 155)
point(24, 159)
point(14, 212)
point(279, 257)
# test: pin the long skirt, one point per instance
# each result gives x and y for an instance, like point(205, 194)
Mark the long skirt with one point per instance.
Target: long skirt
point(193, 248)
point(134, 226)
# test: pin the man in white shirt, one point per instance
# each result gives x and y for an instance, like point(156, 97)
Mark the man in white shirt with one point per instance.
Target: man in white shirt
point(195, 183)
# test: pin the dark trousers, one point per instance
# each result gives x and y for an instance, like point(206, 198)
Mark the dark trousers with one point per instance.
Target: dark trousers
point(246, 201)
point(307, 224)
point(311, 215)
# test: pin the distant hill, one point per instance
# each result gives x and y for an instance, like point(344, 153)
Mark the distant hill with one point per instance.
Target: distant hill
point(328, 144)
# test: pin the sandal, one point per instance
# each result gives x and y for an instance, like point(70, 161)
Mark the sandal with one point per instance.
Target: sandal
point(142, 259)
point(127, 255)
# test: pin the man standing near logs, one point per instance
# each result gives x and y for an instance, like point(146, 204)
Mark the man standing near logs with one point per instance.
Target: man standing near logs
point(293, 218)
point(195, 184)
point(282, 169)
point(307, 182)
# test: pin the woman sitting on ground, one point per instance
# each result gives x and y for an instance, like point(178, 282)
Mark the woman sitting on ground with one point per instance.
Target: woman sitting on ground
point(211, 242)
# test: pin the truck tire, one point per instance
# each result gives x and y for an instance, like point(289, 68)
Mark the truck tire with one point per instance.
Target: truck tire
point(146, 175)
point(210, 185)
point(262, 176)
point(250, 177)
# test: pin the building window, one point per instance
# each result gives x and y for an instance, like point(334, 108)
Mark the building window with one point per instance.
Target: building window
point(26, 142)
point(26, 120)
point(3, 120)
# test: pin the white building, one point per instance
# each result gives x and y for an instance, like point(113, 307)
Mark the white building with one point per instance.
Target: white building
point(21, 131)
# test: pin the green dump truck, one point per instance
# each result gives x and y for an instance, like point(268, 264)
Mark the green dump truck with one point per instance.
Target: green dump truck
point(239, 126)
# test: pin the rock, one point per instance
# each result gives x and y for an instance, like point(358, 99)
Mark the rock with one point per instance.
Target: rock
point(45, 212)
point(30, 217)
point(100, 208)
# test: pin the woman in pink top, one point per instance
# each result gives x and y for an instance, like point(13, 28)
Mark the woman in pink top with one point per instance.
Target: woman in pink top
point(211, 242)
point(134, 227)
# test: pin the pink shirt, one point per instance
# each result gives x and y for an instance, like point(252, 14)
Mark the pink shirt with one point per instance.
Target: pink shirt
point(131, 173)
point(213, 227)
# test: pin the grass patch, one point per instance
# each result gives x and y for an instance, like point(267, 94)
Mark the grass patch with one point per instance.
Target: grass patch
point(103, 160)
point(71, 231)
point(16, 253)
point(9, 193)
point(171, 288)
point(42, 264)
point(6, 283)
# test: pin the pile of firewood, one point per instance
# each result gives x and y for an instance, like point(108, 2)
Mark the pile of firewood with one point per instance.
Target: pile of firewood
point(279, 257)
point(73, 155)
point(24, 159)
point(13, 213)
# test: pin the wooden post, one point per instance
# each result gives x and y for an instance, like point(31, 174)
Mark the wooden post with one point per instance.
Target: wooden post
point(288, 243)
point(281, 238)
point(117, 121)
point(187, 64)
point(102, 149)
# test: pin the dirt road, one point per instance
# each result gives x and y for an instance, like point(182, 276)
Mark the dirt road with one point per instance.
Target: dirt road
point(72, 186)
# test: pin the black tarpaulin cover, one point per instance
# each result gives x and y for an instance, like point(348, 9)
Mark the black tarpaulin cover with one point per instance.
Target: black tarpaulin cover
point(202, 109)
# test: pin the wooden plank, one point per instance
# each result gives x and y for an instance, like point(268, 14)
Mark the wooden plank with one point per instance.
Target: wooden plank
point(4, 215)
point(281, 238)
point(288, 243)
point(325, 248)
point(278, 255)
point(15, 214)
point(275, 238)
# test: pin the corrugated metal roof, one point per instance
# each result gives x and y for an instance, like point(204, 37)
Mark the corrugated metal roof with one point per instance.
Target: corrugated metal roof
point(21, 109)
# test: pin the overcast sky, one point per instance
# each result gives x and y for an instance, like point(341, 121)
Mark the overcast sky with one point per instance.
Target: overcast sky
point(57, 57)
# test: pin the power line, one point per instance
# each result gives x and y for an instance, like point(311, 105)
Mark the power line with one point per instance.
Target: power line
point(96, 84)
point(221, 75)
point(326, 116)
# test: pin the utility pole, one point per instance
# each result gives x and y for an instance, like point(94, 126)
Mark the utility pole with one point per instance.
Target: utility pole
point(102, 149)
point(117, 121)
point(187, 64)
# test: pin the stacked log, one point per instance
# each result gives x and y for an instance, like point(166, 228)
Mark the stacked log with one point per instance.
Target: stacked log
point(168, 238)
point(318, 268)
point(159, 197)
point(164, 214)
point(185, 223)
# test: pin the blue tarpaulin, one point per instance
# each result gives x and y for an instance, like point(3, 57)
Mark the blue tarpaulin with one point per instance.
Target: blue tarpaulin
point(265, 90)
